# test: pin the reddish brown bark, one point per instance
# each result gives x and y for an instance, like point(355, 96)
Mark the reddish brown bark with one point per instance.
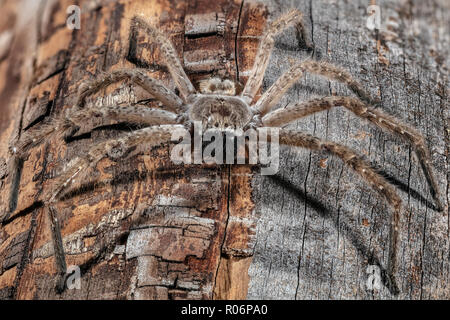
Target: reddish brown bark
point(157, 231)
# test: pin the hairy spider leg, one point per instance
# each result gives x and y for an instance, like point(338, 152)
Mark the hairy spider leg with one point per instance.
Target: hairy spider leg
point(273, 95)
point(292, 17)
point(151, 136)
point(169, 55)
point(359, 165)
point(382, 120)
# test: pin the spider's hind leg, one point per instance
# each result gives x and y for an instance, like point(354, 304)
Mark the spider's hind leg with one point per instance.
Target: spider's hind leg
point(150, 136)
point(66, 124)
point(38, 134)
point(377, 182)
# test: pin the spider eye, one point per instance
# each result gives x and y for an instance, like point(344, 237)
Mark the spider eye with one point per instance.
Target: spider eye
point(216, 124)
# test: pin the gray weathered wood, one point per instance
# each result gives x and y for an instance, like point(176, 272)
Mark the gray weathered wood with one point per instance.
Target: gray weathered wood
point(320, 225)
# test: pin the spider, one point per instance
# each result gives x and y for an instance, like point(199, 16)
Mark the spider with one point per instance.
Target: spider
point(218, 106)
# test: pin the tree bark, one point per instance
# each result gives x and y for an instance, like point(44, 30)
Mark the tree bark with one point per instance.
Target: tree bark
point(144, 228)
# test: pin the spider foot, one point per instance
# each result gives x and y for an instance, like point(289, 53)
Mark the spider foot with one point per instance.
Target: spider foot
point(61, 280)
point(390, 282)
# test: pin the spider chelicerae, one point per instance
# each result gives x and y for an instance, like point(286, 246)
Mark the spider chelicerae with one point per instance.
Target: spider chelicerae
point(218, 106)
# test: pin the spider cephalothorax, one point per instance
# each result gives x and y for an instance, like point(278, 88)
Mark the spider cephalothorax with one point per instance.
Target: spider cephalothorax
point(218, 105)
point(220, 111)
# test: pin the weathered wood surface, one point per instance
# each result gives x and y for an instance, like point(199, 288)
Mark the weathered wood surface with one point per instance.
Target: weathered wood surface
point(321, 226)
point(163, 231)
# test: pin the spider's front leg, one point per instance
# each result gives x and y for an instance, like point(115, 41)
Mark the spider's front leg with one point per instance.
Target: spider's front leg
point(360, 166)
point(151, 136)
point(384, 121)
point(293, 17)
point(273, 95)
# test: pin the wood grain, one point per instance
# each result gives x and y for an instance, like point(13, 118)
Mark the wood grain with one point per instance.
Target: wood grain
point(144, 228)
point(321, 226)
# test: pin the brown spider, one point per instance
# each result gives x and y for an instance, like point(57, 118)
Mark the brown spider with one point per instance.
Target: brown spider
point(217, 105)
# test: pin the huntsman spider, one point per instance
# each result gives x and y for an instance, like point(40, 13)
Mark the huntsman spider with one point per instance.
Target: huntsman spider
point(217, 105)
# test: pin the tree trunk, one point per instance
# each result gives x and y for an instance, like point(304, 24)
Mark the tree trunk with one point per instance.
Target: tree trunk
point(144, 228)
